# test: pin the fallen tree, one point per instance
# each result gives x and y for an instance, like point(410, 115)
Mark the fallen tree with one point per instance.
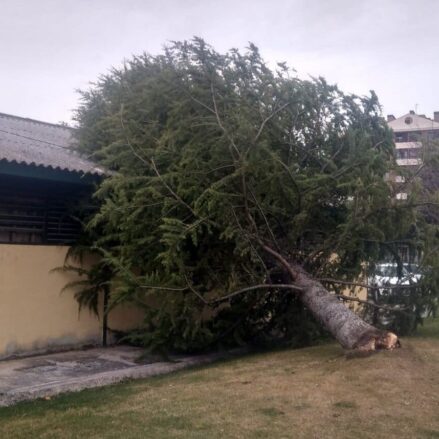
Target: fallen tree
point(235, 188)
point(348, 328)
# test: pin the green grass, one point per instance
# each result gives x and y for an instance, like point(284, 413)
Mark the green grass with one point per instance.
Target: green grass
point(429, 329)
point(306, 393)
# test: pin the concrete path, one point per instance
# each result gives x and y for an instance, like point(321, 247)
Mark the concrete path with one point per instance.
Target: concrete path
point(48, 375)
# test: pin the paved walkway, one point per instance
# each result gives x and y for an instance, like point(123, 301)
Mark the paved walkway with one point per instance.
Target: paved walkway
point(48, 375)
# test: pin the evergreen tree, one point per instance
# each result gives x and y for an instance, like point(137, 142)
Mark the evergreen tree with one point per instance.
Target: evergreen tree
point(234, 189)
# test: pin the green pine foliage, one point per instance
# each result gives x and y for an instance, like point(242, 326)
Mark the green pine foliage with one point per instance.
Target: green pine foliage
point(213, 155)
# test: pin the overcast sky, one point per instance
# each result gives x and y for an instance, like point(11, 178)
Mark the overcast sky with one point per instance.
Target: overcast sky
point(50, 48)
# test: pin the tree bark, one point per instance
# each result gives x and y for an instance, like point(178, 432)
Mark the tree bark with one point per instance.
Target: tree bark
point(351, 331)
point(348, 328)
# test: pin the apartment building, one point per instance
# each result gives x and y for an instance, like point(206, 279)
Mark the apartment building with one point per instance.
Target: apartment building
point(412, 131)
point(414, 135)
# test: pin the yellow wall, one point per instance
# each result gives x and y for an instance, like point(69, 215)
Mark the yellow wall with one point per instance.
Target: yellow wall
point(358, 292)
point(34, 316)
point(353, 291)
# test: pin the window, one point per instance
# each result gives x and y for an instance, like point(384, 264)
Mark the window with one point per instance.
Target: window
point(407, 153)
point(401, 137)
point(38, 212)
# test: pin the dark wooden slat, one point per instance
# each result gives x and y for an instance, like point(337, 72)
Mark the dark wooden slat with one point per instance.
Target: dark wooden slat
point(37, 211)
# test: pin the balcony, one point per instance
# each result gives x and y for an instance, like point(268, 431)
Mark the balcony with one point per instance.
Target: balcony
point(408, 145)
point(409, 162)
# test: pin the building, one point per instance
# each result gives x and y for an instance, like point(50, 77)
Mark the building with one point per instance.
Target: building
point(411, 126)
point(416, 136)
point(42, 182)
point(413, 134)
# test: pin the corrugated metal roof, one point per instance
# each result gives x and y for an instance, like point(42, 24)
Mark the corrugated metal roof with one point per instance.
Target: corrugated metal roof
point(413, 122)
point(31, 142)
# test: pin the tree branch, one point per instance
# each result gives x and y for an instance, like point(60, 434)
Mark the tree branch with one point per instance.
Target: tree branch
point(130, 145)
point(151, 163)
point(289, 287)
point(270, 231)
point(158, 287)
point(261, 128)
point(258, 287)
point(220, 124)
point(366, 302)
point(176, 196)
point(242, 291)
point(363, 285)
point(293, 273)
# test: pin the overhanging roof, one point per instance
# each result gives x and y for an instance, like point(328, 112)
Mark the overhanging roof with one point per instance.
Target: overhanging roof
point(42, 145)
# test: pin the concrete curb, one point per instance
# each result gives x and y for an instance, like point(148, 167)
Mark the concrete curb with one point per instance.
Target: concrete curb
point(76, 384)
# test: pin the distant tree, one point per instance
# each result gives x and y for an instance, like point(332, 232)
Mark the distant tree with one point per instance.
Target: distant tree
point(237, 193)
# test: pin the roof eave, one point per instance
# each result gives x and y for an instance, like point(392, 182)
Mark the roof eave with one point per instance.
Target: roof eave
point(48, 173)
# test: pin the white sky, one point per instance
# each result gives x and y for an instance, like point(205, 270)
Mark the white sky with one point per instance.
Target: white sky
point(50, 48)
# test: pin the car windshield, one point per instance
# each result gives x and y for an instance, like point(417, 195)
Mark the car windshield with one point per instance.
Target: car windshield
point(387, 270)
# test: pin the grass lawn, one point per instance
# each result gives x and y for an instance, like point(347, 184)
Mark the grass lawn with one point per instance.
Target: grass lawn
point(308, 393)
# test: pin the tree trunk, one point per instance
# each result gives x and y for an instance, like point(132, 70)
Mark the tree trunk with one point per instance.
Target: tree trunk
point(348, 328)
point(105, 316)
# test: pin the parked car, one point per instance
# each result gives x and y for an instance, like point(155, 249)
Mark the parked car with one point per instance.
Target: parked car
point(392, 284)
point(390, 275)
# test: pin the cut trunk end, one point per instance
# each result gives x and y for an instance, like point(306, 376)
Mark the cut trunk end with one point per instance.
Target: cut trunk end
point(378, 340)
point(351, 331)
